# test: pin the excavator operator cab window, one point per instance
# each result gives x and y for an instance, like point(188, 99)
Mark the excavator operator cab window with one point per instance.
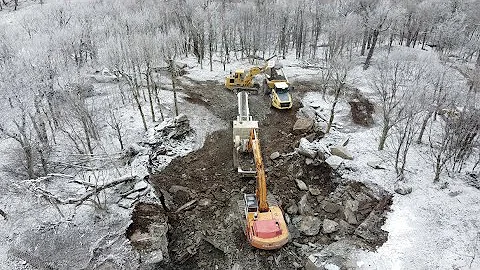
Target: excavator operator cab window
point(251, 202)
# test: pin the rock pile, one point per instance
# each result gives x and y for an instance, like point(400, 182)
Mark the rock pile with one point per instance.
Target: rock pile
point(176, 128)
point(361, 109)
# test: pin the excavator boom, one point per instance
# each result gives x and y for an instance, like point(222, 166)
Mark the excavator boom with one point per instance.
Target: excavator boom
point(261, 191)
point(266, 226)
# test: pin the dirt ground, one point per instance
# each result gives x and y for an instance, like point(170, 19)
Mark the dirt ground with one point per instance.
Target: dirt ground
point(209, 235)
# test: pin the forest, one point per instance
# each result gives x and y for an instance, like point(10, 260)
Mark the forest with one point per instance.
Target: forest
point(69, 70)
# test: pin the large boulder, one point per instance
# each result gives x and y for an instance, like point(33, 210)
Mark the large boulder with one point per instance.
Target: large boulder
point(307, 112)
point(303, 125)
point(308, 225)
point(334, 162)
point(329, 226)
point(341, 151)
point(305, 148)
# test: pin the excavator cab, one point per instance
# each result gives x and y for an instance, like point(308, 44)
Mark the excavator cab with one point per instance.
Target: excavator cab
point(235, 79)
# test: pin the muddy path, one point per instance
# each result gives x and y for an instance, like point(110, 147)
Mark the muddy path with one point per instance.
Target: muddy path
point(208, 234)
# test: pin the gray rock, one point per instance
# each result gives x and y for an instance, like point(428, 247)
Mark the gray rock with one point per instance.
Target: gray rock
point(140, 185)
point(320, 127)
point(303, 207)
point(126, 203)
point(292, 209)
point(329, 226)
point(352, 205)
point(301, 185)
point(308, 161)
point(306, 149)
point(320, 155)
point(334, 162)
point(181, 118)
point(345, 227)
point(314, 191)
point(309, 225)
point(370, 229)
point(153, 257)
point(204, 202)
point(303, 125)
point(338, 255)
point(307, 112)
point(341, 151)
point(350, 216)
point(402, 188)
point(133, 195)
point(330, 207)
point(274, 155)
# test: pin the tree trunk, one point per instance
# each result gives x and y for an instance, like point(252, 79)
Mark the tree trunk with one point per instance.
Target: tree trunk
point(422, 129)
point(383, 135)
point(364, 42)
point(150, 92)
point(390, 42)
point(375, 34)
point(136, 96)
point(424, 40)
point(477, 64)
point(438, 169)
point(174, 96)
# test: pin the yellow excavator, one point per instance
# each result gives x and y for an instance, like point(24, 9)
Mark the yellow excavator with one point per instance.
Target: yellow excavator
point(242, 80)
point(266, 226)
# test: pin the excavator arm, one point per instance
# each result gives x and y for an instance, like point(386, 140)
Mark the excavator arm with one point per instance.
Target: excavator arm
point(261, 191)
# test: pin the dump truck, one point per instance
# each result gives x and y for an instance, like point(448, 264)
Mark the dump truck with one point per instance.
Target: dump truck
point(277, 86)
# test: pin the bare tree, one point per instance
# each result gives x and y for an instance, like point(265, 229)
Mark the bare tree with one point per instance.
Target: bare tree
point(340, 69)
point(453, 140)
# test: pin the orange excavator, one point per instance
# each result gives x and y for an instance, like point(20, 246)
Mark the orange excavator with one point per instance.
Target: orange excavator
point(266, 226)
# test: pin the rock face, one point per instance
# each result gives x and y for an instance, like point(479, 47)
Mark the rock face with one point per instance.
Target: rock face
point(362, 110)
point(329, 226)
point(153, 235)
point(302, 125)
point(176, 128)
point(341, 151)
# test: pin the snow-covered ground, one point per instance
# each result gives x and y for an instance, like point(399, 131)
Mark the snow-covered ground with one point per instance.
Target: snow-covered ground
point(31, 217)
point(434, 227)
